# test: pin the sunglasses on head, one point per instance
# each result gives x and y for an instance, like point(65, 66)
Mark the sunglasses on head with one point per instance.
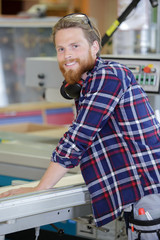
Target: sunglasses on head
point(79, 16)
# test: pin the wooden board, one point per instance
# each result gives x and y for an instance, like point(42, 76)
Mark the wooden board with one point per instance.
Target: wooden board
point(34, 106)
point(75, 179)
point(53, 133)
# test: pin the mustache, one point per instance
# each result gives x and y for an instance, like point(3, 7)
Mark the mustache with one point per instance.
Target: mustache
point(69, 61)
point(71, 76)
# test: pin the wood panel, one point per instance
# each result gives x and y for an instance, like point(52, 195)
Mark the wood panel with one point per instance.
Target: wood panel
point(75, 179)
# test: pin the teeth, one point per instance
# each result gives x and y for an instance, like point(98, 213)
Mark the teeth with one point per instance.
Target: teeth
point(70, 64)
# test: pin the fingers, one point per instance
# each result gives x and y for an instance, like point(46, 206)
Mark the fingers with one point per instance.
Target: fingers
point(17, 191)
point(5, 194)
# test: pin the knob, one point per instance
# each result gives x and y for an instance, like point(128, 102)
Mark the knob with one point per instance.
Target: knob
point(147, 69)
point(41, 75)
point(41, 84)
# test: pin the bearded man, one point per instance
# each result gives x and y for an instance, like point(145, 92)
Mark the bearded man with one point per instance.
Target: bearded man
point(115, 137)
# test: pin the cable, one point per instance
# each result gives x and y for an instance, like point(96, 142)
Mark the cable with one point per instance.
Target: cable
point(118, 21)
point(37, 231)
point(154, 3)
point(121, 18)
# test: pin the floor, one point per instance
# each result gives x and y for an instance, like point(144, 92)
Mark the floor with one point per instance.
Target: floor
point(44, 235)
point(48, 235)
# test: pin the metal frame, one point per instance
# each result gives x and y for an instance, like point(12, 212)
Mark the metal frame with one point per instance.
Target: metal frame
point(36, 209)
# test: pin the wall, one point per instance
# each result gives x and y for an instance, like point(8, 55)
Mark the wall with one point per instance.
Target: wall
point(105, 12)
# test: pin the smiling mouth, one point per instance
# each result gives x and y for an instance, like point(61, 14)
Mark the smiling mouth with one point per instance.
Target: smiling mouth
point(70, 64)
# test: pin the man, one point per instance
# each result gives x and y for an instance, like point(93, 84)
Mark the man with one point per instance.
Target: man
point(115, 136)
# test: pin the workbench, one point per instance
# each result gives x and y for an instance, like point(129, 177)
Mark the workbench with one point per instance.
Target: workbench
point(64, 201)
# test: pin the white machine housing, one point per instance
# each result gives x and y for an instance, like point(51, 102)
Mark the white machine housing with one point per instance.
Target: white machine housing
point(44, 71)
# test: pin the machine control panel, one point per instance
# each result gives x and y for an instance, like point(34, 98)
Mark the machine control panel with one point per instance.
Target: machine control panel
point(145, 70)
point(44, 71)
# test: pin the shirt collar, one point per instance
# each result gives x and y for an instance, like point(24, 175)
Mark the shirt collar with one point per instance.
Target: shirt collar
point(97, 62)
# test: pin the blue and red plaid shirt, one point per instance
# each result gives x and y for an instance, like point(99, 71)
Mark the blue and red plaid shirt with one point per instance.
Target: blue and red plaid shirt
point(116, 140)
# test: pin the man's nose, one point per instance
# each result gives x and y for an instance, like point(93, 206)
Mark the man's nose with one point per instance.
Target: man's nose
point(68, 54)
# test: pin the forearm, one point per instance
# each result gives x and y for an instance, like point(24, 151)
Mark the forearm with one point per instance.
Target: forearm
point(52, 175)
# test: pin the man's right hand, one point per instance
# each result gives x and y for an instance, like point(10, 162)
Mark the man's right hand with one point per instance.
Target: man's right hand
point(17, 191)
point(52, 175)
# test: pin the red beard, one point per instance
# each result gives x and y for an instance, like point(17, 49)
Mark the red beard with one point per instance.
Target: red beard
point(74, 76)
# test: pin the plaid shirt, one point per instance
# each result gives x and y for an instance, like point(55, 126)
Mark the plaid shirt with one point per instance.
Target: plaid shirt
point(115, 138)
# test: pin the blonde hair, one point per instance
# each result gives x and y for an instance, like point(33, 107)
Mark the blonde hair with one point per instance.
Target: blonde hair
point(89, 29)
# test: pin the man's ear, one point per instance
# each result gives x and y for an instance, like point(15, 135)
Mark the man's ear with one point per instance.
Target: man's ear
point(95, 48)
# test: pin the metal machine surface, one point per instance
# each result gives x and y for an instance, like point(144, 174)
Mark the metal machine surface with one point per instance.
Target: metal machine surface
point(65, 201)
point(44, 73)
point(36, 209)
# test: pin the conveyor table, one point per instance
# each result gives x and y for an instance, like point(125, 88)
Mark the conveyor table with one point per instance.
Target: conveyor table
point(65, 201)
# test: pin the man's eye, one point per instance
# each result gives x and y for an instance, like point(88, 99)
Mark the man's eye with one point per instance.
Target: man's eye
point(75, 46)
point(60, 49)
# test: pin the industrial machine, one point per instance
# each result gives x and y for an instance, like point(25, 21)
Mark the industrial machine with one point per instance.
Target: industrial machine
point(44, 72)
point(26, 211)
